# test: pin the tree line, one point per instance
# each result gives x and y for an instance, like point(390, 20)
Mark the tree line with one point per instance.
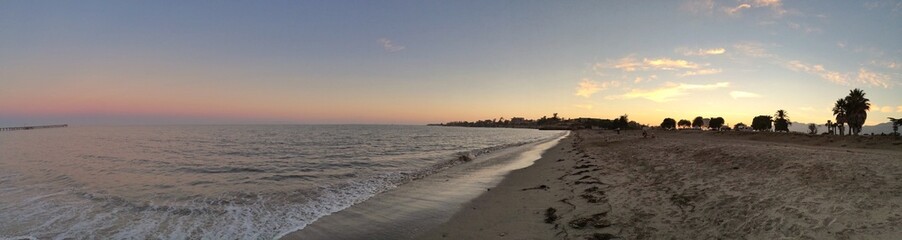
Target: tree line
point(622, 122)
point(851, 109)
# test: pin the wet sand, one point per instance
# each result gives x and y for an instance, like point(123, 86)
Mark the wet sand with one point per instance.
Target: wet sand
point(694, 185)
point(417, 206)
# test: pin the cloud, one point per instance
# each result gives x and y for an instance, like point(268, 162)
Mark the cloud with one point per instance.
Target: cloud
point(832, 76)
point(873, 78)
point(700, 72)
point(584, 106)
point(631, 64)
point(669, 64)
point(587, 88)
point(803, 27)
point(891, 64)
point(649, 78)
point(884, 109)
point(627, 63)
point(737, 9)
point(390, 46)
point(776, 6)
point(741, 94)
point(668, 92)
point(807, 109)
point(752, 49)
point(899, 109)
point(701, 52)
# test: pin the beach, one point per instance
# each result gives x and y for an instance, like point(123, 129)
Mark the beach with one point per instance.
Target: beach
point(694, 185)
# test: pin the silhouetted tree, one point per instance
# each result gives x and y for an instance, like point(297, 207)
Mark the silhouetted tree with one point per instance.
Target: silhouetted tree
point(698, 122)
point(668, 123)
point(896, 123)
point(684, 123)
point(716, 123)
point(781, 123)
point(831, 128)
point(622, 122)
point(762, 123)
point(812, 128)
point(856, 109)
point(740, 126)
point(839, 109)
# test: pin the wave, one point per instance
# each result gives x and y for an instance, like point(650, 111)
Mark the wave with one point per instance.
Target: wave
point(231, 215)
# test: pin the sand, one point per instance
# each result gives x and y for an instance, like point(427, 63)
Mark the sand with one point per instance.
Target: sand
point(694, 185)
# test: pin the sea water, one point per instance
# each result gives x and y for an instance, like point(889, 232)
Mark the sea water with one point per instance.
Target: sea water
point(215, 182)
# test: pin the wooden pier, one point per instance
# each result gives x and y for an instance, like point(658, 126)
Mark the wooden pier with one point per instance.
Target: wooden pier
point(33, 127)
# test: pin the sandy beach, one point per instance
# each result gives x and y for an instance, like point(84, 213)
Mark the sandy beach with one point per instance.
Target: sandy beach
point(694, 185)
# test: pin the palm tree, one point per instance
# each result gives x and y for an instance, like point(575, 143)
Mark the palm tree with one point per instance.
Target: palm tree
point(839, 109)
point(896, 123)
point(856, 109)
point(831, 129)
point(781, 123)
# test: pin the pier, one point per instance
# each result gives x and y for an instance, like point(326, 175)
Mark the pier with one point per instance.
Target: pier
point(32, 127)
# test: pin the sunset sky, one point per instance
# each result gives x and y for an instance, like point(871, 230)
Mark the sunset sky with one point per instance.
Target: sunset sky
point(415, 62)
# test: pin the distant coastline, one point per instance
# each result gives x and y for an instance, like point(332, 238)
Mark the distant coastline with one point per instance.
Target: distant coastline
point(550, 123)
point(33, 127)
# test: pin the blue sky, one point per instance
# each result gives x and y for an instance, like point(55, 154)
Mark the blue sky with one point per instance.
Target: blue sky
point(121, 62)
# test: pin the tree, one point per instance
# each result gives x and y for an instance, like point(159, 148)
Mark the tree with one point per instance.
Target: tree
point(762, 123)
point(740, 126)
point(896, 123)
point(684, 123)
point(622, 122)
point(698, 122)
point(856, 109)
point(831, 128)
point(812, 128)
point(668, 123)
point(839, 109)
point(781, 123)
point(716, 123)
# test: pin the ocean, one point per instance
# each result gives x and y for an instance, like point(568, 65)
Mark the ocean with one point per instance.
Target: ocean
point(216, 181)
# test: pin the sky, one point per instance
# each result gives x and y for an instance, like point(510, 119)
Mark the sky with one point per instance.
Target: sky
point(417, 62)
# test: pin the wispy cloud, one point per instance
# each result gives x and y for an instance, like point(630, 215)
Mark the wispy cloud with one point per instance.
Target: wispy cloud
point(584, 106)
point(737, 9)
point(669, 64)
point(701, 51)
point(832, 76)
point(873, 78)
point(776, 6)
point(390, 46)
point(587, 88)
point(700, 72)
point(631, 64)
point(891, 64)
point(883, 109)
point(645, 79)
point(752, 49)
point(803, 27)
point(669, 91)
point(741, 94)
point(863, 75)
point(807, 109)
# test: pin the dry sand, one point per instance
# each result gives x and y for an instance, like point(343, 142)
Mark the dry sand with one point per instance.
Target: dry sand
point(694, 185)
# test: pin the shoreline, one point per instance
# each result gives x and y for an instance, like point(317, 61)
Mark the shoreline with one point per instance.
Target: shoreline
point(416, 206)
point(686, 185)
